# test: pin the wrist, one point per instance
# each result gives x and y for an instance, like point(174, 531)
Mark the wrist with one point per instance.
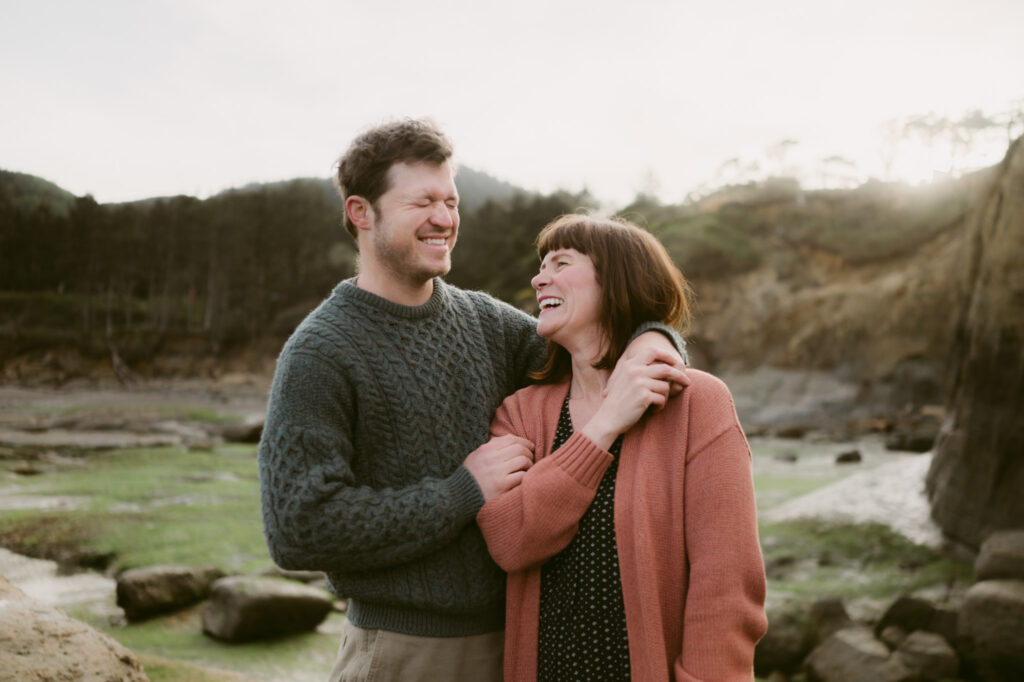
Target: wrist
point(599, 433)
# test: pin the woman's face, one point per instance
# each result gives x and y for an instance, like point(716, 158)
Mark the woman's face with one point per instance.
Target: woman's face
point(569, 298)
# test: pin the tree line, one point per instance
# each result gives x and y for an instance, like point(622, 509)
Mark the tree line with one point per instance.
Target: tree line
point(238, 267)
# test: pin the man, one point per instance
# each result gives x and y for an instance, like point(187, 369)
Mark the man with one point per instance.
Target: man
point(375, 456)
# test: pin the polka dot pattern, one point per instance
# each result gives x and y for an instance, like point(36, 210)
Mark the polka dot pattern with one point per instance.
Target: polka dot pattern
point(582, 632)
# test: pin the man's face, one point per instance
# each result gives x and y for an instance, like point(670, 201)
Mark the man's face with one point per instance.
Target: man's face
point(416, 222)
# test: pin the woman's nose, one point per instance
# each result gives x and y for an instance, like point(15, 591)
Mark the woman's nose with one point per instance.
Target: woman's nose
point(539, 281)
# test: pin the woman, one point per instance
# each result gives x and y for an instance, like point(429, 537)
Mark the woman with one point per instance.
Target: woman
point(631, 543)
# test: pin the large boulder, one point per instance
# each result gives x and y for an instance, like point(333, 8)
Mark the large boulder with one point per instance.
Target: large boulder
point(148, 591)
point(977, 472)
point(913, 432)
point(248, 431)
point(1001, 557)
point(928, 656)
point(910, 614)
point(243, 608)
point(783, 648)
point(991, 629)
point(40, 642)
point(829, 615)
point(854, 655)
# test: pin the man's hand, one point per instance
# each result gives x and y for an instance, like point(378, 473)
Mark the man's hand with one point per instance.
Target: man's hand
point(500, 464)
point(651, 347)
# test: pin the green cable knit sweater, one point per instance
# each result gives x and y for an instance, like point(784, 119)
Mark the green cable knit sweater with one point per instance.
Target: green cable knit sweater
point(373, 409)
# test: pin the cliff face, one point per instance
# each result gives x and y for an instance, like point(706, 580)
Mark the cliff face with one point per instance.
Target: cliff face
point(815, 337)
point(977, 476)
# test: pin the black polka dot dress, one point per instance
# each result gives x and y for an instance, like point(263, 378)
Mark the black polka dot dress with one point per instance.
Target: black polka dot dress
point(582, 633)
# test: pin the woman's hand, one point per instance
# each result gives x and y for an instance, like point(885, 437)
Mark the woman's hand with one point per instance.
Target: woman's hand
point(637, 383)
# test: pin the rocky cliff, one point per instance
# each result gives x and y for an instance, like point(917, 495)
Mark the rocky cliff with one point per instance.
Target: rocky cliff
point(977, 475)
point(841, 324)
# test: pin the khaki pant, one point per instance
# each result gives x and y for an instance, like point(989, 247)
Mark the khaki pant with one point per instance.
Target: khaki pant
point(382, 656)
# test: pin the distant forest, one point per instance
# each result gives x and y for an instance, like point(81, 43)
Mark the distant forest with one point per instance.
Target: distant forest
point(241, 268)
point(232, 269)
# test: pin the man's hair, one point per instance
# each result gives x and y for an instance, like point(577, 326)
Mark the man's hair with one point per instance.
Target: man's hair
point(363, 169)
point(639, 283)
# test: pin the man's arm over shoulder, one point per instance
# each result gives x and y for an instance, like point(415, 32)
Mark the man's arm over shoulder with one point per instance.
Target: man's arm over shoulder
point(316, 515)
point(524, 351)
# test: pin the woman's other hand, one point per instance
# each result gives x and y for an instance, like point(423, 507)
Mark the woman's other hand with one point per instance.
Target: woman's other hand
point(638, 383)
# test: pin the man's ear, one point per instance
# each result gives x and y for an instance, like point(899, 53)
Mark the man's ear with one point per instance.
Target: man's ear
point(360, 212)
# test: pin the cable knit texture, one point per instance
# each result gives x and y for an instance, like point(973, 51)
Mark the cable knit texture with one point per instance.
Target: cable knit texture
point(693, 577)
point(373, 409)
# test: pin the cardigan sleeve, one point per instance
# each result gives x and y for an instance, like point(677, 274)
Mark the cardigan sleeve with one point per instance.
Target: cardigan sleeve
point(724, 614)
point(538, 518)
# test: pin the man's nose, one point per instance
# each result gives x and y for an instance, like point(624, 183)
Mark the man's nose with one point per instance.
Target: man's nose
point(442, 215)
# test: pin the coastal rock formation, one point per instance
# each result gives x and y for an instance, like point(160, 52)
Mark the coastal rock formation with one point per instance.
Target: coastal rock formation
point(977, 474)
point(40, 642)
point(854, 655)
point(244, 608)
point(929, 656)
point(145, 592)
point(991, 629)
point(1001, 557)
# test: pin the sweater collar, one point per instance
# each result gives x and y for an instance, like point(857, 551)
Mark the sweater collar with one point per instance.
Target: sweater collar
point(348, 289)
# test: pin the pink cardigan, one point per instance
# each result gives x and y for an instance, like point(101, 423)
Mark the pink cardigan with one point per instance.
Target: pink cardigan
point(693, 578)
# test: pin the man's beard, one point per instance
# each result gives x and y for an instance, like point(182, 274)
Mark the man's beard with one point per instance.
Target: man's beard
point(401, 263)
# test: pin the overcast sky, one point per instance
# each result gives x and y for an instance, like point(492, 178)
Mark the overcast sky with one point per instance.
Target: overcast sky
point(126, 99)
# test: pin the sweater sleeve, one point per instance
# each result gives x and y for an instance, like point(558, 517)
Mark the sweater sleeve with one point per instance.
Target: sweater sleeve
point(724, 614)
point(315, 516)
point(538, 518)
point(526, 350)
point(674, 336)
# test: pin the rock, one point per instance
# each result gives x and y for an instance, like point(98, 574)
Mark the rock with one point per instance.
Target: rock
point(892, 636)
point(245, 432)
point(145, 592)
point(944, 623)
point(854, 655)
point(913, 432)
point(40, 642)
point(908, 614)
point(928, 655)
point(244, 608)
point(977, 473)
point(1001, 557)
point(849, 457)
point(783, 648)
point(829, 616)
point(991, 628)
point(308, 577)
point(788, 457)
point(794, 431)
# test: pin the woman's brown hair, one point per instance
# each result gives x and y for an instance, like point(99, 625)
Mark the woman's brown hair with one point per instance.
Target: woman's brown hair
point(639, 283)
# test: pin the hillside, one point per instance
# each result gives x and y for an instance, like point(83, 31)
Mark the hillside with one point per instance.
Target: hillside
point(28, 194)
point(818, 307)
